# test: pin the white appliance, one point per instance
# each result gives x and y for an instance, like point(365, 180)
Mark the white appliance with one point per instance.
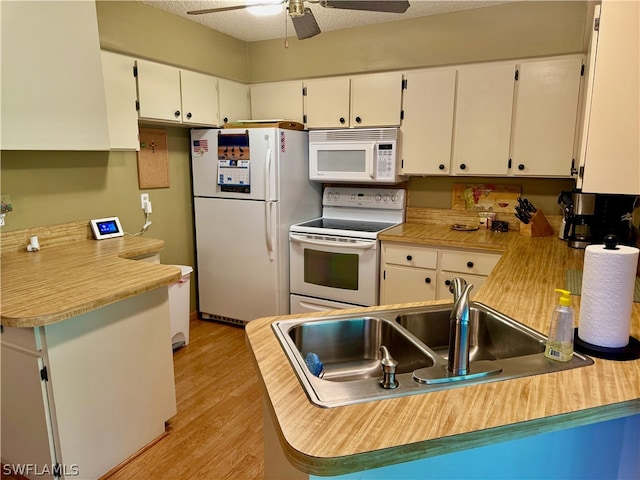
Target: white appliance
point(362, 155)
point(249, 186)
point(335, 259)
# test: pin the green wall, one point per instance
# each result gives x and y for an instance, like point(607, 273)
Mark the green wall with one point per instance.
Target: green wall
point(56, 187)
point(514, 30)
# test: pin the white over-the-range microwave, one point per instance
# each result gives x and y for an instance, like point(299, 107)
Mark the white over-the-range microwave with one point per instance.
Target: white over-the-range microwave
point(359, 155)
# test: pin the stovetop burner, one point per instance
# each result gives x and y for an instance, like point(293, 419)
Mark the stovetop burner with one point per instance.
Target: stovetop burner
point(348, 225)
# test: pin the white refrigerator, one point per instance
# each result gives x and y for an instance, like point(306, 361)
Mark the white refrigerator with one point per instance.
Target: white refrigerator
point(249, 186)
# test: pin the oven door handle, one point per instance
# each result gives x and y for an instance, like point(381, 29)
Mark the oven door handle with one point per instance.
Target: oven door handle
point(358, 244)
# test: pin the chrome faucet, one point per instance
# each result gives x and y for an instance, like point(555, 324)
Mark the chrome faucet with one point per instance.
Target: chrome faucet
point(389, 365)
point(459, 328)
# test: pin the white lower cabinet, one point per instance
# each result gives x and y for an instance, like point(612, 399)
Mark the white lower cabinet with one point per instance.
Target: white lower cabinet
point(411, 273)
point(28, 441)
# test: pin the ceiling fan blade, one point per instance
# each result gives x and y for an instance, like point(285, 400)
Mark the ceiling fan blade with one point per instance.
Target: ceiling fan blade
point(390, 6)
point(235, 7)
point(305, 25)
point(214, 10)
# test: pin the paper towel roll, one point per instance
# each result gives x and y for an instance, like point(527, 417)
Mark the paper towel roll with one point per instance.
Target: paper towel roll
point(607, 295)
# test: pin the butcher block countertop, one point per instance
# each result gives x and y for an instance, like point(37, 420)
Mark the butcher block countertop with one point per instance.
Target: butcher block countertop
point(367, 435)
point(72, 273)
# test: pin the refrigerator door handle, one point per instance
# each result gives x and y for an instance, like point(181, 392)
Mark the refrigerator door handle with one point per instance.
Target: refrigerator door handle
point(268, 229)
point(267, 175)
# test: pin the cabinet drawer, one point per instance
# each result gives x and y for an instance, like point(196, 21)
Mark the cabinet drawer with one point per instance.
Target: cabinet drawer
point(411, 256)
point(468, 262)
point(22, 337)
point(407, 284)
point(445, 278)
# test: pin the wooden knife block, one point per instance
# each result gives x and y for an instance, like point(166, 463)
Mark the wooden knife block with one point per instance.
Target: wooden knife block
point(538, 226)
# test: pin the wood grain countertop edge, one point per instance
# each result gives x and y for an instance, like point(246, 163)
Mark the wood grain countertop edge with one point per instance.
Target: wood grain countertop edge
point(24, 273)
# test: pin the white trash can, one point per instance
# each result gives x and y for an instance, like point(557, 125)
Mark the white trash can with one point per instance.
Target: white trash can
point(179, 295)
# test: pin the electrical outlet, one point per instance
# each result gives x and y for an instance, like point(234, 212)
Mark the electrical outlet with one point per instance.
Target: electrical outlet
point(144, 199)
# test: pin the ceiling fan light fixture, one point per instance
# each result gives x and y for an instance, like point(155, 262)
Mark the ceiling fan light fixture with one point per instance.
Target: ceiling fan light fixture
point(296, 8)
point(262, 8)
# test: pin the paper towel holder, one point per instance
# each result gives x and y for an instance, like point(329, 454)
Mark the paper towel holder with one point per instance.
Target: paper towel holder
point(610, 242)
point(631, 351)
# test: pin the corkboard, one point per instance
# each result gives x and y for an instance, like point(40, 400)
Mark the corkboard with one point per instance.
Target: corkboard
point(153, 159)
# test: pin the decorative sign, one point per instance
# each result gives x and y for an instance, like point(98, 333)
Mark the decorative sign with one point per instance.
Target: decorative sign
point(485, 197)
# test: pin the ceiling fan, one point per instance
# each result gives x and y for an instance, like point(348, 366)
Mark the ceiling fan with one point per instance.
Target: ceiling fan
point(302, 17)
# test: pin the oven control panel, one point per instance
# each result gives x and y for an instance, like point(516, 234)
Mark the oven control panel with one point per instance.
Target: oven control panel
point(383, 198)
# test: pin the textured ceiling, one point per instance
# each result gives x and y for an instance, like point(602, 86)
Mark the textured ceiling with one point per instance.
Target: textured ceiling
point(244, 26)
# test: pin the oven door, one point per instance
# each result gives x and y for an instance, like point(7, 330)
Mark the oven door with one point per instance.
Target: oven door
point(334, 268)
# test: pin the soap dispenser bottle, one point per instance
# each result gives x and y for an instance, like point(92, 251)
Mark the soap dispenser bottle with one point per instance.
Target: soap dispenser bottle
point(560, 342)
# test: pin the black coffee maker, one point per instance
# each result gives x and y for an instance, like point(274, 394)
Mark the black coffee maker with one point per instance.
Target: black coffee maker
point(589, 217)
point(579, 217)
point(612, 216)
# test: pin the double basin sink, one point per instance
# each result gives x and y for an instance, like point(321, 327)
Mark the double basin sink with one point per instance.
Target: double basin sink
point(348, 347)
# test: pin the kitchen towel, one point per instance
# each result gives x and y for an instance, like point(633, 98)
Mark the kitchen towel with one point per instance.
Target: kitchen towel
point(608, 283)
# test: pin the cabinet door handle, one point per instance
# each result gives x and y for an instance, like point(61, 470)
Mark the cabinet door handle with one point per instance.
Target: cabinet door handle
point(441, 166)
point(470, 264)
point(358, 120)
point(189, 115)
point(521, 166)
point(342, 120)
point(225, 120)
point(427, 280)
point(177, 114)
point(463, 166)
point(409, 258)
point(447, 282)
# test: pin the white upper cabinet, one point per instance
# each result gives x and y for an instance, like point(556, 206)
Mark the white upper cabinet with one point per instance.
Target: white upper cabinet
point(359, 101)
point(52, 87)
point(120, 93)
point(171, 95)
point(427, 124)
point(233, 99)
point(545, 116)
point(376, 100)
point(326, 102)
point(611, 133)
point(199, 98)
point(483, 119)
point(279, 100)
point(158, 92)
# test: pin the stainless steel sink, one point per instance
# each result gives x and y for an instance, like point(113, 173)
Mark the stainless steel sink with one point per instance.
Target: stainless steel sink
point(492, 336)
point(348, 348)
point(418, 339)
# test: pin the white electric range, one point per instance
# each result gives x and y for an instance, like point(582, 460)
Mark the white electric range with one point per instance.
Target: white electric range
point(335, 259)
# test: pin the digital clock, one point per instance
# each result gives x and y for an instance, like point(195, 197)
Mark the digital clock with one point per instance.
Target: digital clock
point(106, 228)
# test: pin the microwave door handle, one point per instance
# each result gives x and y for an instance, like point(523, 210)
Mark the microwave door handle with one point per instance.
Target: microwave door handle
point(358, 244)
point(372, 164)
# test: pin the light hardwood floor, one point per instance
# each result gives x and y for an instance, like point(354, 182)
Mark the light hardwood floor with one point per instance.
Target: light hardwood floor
point(217, 432)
